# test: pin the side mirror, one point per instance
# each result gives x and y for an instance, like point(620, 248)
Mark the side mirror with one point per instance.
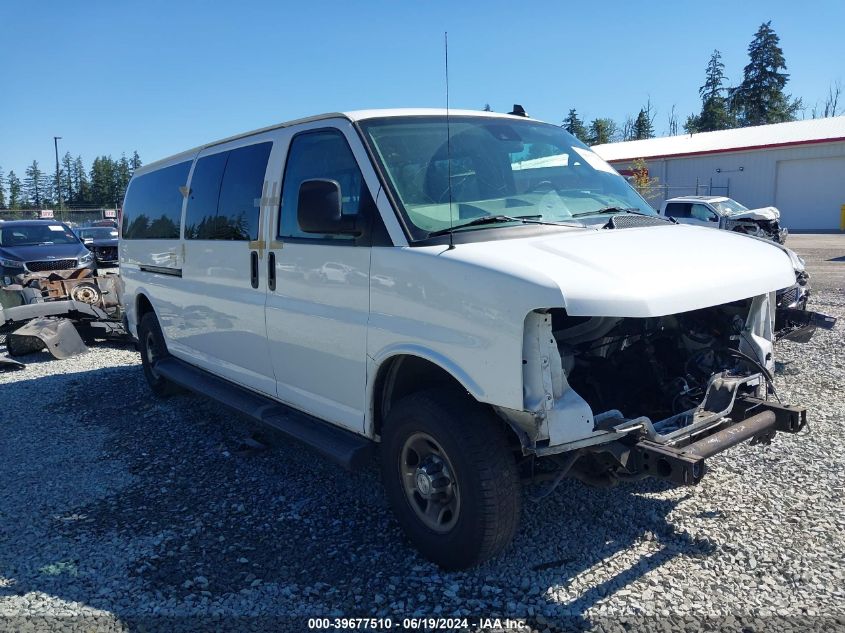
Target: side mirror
point(320, 208)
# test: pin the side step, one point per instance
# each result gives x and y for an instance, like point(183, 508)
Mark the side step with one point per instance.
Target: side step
point(344, 447)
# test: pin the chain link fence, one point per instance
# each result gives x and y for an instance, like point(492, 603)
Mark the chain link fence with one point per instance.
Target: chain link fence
point(657, 192)
point(74, 216)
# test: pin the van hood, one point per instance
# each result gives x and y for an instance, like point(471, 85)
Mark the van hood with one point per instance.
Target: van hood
point(637, 272)
point(763, 213)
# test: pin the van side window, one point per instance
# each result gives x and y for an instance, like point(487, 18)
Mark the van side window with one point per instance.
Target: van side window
point(201, 216)
point(225, 198)
point(678, 209)
point(322, 154)
point(152, 209)
point(240, 193)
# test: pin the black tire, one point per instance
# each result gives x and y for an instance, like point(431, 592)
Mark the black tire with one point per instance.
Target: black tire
point(485, 477)
point(152, 347)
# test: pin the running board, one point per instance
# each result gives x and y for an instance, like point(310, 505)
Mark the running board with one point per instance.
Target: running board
point(343, 447)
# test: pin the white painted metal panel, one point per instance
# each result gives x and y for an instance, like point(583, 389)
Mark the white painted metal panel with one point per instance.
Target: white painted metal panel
point(725, 140)
point(222, 325)
point(317, 316)
point(810, 192)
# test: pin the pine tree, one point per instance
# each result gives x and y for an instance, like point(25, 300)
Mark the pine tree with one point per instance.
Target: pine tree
point(602, 131)
point(135, 161)
point(123, 174)
point(715, 114)
point(105, 181)
point(81, 185)
point(14, 191)
point(575, 126)
point(643, 126)
point(54, 188)
point(34, 185)
point(2, 190)
point(67, 178)
point(487, 108)
point(691, 124)
point(760, 98)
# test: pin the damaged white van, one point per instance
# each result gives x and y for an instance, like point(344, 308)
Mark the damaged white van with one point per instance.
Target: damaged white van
point(477, 298)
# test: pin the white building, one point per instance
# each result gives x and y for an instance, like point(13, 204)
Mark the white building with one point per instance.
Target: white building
point(798, 167)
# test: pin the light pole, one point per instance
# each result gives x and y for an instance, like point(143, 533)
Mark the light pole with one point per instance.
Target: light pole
point(58, 182)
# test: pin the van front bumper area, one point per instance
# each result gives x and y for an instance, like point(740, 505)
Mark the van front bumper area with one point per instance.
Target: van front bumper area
point(674, 449)
point(683, 461)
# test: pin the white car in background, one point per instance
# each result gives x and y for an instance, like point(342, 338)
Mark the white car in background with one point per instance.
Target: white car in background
point(719, 212)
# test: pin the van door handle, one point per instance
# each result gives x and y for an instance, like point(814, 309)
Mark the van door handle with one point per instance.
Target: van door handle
point(271, 271)
point(253, 268)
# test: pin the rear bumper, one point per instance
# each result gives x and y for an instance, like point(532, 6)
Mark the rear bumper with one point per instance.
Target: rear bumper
point(683, 462)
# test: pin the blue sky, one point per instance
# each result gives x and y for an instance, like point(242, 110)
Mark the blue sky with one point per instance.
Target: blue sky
point(160, 77)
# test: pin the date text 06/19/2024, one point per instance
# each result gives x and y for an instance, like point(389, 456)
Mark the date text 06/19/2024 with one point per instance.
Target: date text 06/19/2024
point(421, 623)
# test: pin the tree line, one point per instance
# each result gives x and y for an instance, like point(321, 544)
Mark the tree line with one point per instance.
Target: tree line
point(102, 185)
point(760, 98)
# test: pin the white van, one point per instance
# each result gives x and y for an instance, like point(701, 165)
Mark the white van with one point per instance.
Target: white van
point(477, 297)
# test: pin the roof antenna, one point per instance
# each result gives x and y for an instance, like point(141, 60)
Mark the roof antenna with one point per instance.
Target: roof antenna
point(449, 147)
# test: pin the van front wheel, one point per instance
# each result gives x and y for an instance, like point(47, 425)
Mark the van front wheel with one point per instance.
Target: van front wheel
point(450, 477)
point(153, 348)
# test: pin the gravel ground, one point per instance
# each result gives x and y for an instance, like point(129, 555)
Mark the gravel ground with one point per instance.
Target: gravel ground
point(122, 512)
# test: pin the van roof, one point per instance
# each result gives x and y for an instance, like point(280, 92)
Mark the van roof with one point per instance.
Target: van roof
point(354, 115)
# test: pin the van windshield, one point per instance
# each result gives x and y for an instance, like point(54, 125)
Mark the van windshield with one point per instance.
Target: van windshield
point(492, 167)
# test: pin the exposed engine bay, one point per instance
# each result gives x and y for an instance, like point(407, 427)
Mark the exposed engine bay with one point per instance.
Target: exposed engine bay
point(614, 398)
point(657, 366)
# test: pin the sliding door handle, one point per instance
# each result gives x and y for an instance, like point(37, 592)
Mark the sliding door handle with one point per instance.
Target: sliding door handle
point(253, 268)
point(271, 271)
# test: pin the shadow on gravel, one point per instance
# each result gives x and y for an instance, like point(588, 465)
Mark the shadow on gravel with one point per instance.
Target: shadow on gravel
point(185, 520)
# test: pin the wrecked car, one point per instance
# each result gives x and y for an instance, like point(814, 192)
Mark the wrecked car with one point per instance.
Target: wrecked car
point(36, 246)
point(102, 241)
point(512, 311)
point(60, 312)
point(725, 213)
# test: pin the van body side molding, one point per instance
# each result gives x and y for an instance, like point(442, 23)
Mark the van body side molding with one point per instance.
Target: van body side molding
point(161, 270)
point(344, 447)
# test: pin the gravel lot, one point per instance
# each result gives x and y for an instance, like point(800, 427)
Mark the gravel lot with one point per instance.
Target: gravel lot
point(122, 512)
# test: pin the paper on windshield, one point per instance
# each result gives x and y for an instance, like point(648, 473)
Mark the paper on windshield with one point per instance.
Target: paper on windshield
point(54, 227)
point(593, 160)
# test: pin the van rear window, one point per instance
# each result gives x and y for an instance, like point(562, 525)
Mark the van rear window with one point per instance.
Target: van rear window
point(153, 206)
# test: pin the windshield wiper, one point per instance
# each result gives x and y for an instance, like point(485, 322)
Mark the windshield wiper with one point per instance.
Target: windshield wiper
point(632, 210)
point(497, 219)
point(604, 210)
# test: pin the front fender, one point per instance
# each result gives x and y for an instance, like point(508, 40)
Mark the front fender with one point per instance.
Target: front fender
point(447, 364)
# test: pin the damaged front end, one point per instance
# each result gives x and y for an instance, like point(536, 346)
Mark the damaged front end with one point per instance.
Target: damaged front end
point(769, 229)
point(60, 311)
point(612, 398)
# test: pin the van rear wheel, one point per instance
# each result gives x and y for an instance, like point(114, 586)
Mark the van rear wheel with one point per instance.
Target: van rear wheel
point(153, 348)
point(450, 477)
